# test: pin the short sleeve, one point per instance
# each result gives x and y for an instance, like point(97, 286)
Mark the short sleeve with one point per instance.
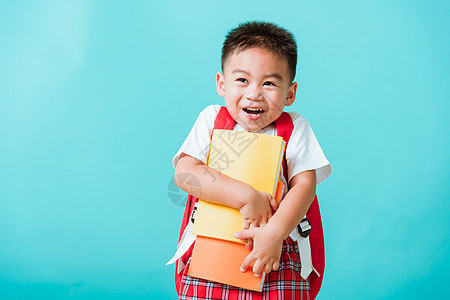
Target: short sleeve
point(198, 140)
point(304, 152)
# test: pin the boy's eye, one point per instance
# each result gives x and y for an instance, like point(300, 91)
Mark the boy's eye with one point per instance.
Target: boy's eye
point(242, 80)
point(269, 83)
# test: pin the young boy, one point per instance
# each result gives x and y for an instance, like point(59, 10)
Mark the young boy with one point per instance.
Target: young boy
point(258, 68)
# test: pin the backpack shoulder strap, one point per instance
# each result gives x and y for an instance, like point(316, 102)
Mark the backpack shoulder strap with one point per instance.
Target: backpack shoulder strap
point(317, 242)
point(224, 120)
point(285, 126)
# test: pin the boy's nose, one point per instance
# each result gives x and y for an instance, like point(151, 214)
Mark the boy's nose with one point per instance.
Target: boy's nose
point(253, 92)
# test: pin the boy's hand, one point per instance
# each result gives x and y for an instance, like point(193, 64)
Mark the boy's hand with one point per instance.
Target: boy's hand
point(258, 209)
point(266, 250)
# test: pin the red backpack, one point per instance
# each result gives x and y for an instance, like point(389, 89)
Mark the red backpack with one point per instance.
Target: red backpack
point(284, 128)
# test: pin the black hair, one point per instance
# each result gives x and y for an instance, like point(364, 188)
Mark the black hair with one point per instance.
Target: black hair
point(264, 35)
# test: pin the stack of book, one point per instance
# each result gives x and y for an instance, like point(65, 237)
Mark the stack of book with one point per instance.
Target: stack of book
point(256, 160)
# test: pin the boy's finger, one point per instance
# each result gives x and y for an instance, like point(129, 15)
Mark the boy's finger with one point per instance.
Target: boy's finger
point(244, 234)
point(267, 268)
point(275, 266)
point(257, 268)
point(273, 203)
point(249, 244)
point(245, 224)
point(247, 262)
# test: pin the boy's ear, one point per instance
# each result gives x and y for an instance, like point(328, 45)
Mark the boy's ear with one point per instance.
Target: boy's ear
point(292, 92)
point(220, 84)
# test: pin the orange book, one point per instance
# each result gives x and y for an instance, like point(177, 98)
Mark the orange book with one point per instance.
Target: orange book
point(280, 191)
point(220, 261)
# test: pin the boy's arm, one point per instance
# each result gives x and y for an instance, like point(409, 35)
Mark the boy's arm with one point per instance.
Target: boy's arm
point(255, 206)
point(269, 238)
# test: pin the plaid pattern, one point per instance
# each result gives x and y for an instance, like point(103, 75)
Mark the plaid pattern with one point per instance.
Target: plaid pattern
point(285, 283)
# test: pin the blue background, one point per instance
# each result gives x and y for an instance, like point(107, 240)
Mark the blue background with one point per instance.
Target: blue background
point(97, 96)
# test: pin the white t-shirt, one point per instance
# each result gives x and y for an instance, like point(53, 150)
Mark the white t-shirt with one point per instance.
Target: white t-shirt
point(303, 152)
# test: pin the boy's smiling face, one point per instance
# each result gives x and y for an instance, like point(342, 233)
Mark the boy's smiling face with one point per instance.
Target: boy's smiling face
point(256, 86)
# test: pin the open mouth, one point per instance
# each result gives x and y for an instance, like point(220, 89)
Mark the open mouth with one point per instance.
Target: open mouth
point(253, 111)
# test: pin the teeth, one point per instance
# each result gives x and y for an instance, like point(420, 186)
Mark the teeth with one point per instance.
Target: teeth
point(254, 110)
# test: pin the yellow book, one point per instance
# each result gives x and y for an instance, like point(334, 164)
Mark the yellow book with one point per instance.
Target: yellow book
point(249, 157)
